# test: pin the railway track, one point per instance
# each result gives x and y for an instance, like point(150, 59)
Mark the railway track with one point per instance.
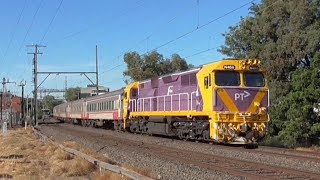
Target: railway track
point(209, 162)
point(280, 152)
point(265, 150)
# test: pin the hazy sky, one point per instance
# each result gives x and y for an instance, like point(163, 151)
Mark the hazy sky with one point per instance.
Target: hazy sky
point(71, 28)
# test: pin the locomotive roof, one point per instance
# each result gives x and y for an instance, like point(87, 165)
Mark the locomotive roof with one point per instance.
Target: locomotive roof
point(195, 68)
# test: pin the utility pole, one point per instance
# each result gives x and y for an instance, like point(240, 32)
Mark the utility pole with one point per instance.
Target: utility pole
point(97, 74)
point(22, 98)
point(27, 106)
point(3, 95)
point(35, 80)
point(65, 87)
point(11, 112)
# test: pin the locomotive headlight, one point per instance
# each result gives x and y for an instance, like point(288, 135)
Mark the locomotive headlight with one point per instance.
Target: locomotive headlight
point(262, 110)
point(255, 62)
point(259, 62)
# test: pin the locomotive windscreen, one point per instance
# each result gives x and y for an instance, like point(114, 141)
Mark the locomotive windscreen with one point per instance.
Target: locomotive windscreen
point(255, 79)
point(227, 78)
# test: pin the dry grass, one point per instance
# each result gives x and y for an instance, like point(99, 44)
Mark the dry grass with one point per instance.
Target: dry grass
point(89, 152)
point(108, 176)
point(142, 171)
point(23, 156)
point(310, 149)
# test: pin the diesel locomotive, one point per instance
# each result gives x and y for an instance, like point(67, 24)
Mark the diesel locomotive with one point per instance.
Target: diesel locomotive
point(225, 101)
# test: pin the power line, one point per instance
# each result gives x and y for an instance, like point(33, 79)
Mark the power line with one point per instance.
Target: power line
point(53, 18)
point(209, 49)
point(28, 31)
point(203, 51)
point(202, 26)
point(15, 28)
point(198, 13)
point(190, 32)
point(32, 21)
point(124, 12)
point(182, 11)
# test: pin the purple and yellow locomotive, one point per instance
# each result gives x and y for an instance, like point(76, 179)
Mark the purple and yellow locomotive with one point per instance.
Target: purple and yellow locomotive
point(225, 101)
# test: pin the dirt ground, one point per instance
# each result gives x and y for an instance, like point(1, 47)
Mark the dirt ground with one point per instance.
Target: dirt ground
point(23, 156)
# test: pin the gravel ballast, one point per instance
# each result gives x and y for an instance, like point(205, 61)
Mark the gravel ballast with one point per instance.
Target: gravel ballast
point(160, 167)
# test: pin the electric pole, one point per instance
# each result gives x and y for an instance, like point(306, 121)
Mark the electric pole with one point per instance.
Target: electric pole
point(22, 98)
point(35, 80)
point(65, 87)
point(97, 74)
point(3, 95)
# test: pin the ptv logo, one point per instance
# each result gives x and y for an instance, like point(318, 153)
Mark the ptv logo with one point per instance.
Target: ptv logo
point(241, 95)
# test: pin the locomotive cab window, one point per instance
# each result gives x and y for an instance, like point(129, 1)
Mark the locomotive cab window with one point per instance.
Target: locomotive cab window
point(206, 82)
point(227, 78)
point(134, 93)
point(253, 79)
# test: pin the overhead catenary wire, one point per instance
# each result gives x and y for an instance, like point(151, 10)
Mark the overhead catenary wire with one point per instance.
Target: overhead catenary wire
point(203, 51)
point(147, 38)
point(190, 32)
point(29, 28)
point(51, 22)
point(15, 28)
point(202, 26)
point(182, 11)
point(124, 12)
point(210, 49)
point(12, 34)
point(48, 28)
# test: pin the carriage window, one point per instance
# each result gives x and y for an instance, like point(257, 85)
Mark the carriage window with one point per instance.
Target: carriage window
point(254, 79)
point(227, 78)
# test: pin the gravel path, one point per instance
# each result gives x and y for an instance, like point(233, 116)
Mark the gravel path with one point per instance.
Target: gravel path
point(114, 146)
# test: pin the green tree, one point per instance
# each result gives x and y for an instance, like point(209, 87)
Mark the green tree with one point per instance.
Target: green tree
point(72, 94)
point(285, 36)
point(49, 102)
point(298, 110)
point(141, 67)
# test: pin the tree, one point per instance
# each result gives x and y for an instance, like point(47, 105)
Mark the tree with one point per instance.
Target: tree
point(49, 102)
point(72, 94)
point(141, 67)
point(300, 120)
point(285, 36)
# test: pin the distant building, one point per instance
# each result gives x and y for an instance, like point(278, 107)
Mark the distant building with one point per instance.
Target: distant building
point(11, 108)
point(16, 102)
point(92, 91)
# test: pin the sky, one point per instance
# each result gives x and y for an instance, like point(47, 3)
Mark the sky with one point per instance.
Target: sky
point(70, 30)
